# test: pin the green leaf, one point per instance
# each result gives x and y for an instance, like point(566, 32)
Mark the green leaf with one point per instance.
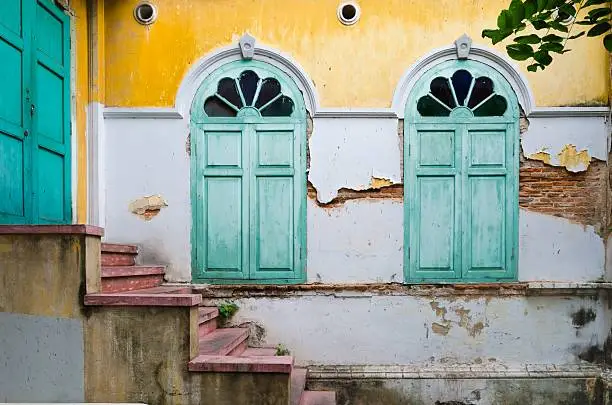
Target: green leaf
point(531, 7)
point(519, 51)
point(520, 27)
point(599, 29)
point(528, 39)
point(504, 20)
point(577, 35)
point(608, 42)
point(590, 3)
point(566, 9)
point(552, 47)
point(598, 12)
point(517, 11)
point(539, 24)
point(534, 67)
point(543, 58)
point(542, 4)
point(558, 26)
point(552, 38)
point(496, 35)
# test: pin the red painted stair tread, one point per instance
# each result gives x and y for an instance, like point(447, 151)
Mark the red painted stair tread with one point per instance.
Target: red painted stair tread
point(235, 364)
point(208, 313)
point(259, 352)
point(119, 248)
point(298, 383)
point(318, 398)
point(221, 342)
point(127, 271)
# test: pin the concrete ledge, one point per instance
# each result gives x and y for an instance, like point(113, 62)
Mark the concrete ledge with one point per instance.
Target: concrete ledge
point(235, 364)
point(456, 371)
point(143, 300)
point(51, 230)
point(428, 290)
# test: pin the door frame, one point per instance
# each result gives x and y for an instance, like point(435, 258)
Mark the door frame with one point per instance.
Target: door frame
point(199, 120)
point(413, 119)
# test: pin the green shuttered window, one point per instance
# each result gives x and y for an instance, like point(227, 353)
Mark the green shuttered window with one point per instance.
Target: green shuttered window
point(34, 113)
point(248, 177)
point(461, 176)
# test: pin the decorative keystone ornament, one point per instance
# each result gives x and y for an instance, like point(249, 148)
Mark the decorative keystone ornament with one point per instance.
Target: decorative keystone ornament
point(463, 45)
point(247, 46)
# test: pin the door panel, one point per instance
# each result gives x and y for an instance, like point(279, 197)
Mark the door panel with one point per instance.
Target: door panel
point(15, 148)
point(51, 116)
point(435, 234)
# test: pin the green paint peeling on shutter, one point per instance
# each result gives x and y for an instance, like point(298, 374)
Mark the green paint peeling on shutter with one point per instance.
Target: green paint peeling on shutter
point(34, 113)
point(461, 176)
point(248, 138)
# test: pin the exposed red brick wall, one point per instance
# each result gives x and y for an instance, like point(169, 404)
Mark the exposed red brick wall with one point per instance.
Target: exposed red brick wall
point(580, 197)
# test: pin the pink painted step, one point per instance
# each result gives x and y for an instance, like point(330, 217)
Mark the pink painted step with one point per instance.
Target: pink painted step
point(223, 342)
point(259, 352)
point(298, 383)
point(207, 320)
point(115, 254)
point(129, 278)
point(140, 298)
point(318, 398)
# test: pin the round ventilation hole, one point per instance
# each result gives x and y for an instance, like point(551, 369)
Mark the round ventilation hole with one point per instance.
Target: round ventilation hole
point(145, 13)
point(348, 13)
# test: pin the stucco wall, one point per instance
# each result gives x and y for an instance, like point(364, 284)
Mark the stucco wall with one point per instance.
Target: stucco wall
point(42, 282)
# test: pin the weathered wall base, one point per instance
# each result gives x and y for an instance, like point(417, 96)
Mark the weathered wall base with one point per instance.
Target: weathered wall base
point(140, 354)
point(475, 391)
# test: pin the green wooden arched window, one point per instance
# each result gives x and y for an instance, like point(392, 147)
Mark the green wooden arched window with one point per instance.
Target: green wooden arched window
point(248, 135)
point(461, 175)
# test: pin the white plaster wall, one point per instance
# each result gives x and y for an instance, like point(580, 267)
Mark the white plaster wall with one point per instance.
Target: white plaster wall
point(552, 134)
point(359, 241)
point(148, 157)
point(379, 329)
point(553, 248)
point(351, 153)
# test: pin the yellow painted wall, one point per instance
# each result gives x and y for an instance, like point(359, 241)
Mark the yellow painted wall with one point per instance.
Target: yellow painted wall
point(81, 88)
point(358, 66)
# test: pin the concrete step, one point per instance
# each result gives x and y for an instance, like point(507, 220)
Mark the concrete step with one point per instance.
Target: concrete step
point(115, 254)
point(318, 398)
point(259, 352)
point(223, 342)
point(298, 383)
point(129, 278)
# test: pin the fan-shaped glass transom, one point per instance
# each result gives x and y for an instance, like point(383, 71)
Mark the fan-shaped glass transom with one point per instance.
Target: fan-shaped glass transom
point(248, 91)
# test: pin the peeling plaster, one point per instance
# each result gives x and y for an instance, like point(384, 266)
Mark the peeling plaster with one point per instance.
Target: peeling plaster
point(353, 153)
point(573, 160)
point(463, 319)
point(566, 141)
point(147, 207)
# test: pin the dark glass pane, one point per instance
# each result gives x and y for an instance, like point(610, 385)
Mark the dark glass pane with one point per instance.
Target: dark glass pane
point(248, 83)
point(442, 91)
point(270, 88)
point(228, 90)
point(483, 88)
point(461, 83)
point(494, 107)
point(213, 107)
point(428, 107)
point(281, 107)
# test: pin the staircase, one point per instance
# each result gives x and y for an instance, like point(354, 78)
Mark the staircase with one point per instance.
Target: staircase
point(220, 349)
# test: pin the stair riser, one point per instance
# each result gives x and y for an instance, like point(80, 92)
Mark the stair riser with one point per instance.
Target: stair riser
point(239, 349)
point(207, 327)
point(118, 259)
point(121, 284)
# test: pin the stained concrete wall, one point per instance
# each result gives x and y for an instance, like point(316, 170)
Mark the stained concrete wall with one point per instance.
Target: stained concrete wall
point(42, 282)
point(430, 328)
point(140, 354)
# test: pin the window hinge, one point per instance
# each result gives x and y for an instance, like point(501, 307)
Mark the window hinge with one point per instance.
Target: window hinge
point(408, 253)
point(408, 149)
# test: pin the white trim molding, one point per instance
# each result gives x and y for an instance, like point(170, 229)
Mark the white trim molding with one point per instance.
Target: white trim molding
point(478, 53)
point(209, 63)
point(118, 113)
point(553, 112)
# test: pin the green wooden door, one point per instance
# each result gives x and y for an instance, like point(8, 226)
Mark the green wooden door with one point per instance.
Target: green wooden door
point(461, 194)
point(34, 113)
point(248, 177)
